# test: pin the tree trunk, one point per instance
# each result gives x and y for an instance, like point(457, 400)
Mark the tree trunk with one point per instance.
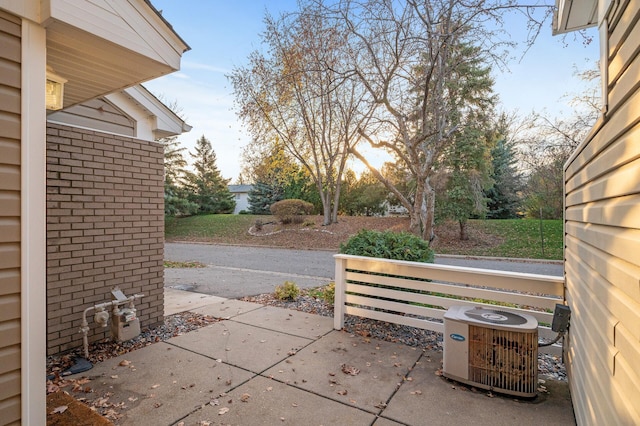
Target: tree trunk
point(336, 201)
point(428, 211)
point(463, 230)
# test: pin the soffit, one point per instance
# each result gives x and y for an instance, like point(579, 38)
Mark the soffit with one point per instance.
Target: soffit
point(572, 15)
point(102, 46)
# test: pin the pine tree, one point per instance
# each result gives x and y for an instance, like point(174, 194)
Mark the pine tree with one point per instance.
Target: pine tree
point(504, 201)
point(176, 199)
point(209, 189)
point(262, 195)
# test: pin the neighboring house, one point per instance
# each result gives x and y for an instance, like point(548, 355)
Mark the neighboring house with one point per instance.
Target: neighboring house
point(98, 47)
point(602, 226)
point(241, 195)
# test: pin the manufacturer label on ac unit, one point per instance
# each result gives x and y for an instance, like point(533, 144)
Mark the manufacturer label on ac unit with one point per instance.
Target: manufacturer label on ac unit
point(457, 337)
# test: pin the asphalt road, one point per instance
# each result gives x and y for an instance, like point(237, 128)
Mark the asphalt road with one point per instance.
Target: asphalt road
point(236, 271)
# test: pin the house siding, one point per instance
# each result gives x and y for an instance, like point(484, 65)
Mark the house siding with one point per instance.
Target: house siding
point(602, 241)
point(96, 114)
point(105, 228)
point(10, 220)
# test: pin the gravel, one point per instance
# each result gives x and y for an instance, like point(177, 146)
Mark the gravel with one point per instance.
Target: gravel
point(174, 325)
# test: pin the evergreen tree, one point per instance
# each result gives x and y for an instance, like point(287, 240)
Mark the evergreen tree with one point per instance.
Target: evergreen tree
point(278, 177)
point(365, 196)
point(209, 189)
point(466, 159)
point(262, 195)
point(467, 172)
point(176, 197)
point(504, 201)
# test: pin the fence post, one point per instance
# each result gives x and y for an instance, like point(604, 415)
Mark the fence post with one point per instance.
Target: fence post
point(339, 298)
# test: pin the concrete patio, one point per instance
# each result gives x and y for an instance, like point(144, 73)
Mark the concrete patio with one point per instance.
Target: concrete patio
point(262, 365)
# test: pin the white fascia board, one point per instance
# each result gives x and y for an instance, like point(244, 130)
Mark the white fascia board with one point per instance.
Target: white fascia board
point(166, 121)
point(154, 119)
point(573, 15)
point(145, 121)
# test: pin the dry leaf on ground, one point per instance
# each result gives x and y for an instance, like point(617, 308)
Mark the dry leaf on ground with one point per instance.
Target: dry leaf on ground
point(61, 409)
point(350, 370)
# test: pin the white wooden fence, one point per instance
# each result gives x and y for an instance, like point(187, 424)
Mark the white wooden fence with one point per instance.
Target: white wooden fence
point(398, 292)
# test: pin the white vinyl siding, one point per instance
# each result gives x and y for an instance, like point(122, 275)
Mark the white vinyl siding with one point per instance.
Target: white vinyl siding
point(602, 242)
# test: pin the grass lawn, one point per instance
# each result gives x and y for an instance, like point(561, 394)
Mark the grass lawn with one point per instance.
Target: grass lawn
point(518, 238)
point(209, 226)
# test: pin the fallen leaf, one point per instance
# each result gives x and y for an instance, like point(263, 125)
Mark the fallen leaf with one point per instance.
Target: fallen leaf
point(132, 399)
point(293, 404)
point(155, 386)
point(342, 392)
point(223, 410)
point(381, 405)
point(157, 404)
point(59, 410)
point(270, 388)
point(124, 363)
point(418, 392)
point(245, 397)
point(111, 414)
point(115, 376)
point(350, 370)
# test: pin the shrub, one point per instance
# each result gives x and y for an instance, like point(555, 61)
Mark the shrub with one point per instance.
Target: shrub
point(258, 225)
point(388, 245)
point(291, 211)
point(329, 293)
point(287, 291)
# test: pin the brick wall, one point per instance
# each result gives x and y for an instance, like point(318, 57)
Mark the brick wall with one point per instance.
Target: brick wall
point(105, 228)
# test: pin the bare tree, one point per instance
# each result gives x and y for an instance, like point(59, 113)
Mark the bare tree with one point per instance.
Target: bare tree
point(415, 62)
point(546, 142)
point(298, 94)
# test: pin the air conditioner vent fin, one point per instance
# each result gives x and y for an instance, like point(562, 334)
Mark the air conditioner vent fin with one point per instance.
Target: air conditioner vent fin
point(502, 359)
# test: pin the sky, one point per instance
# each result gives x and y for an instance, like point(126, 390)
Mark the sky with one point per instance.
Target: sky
point(222, 33)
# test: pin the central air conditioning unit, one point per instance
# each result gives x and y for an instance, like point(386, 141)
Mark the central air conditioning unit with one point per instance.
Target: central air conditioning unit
point(491, 349)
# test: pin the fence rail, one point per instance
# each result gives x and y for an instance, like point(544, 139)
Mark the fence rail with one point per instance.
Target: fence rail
point(418, 294)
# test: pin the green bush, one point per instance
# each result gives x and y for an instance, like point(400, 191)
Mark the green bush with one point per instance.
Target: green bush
point(329, 293)
point(287, 291)
point(388, 245)
point(291, 211)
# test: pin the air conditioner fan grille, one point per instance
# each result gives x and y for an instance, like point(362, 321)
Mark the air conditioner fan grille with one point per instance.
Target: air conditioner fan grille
point(503, 360)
